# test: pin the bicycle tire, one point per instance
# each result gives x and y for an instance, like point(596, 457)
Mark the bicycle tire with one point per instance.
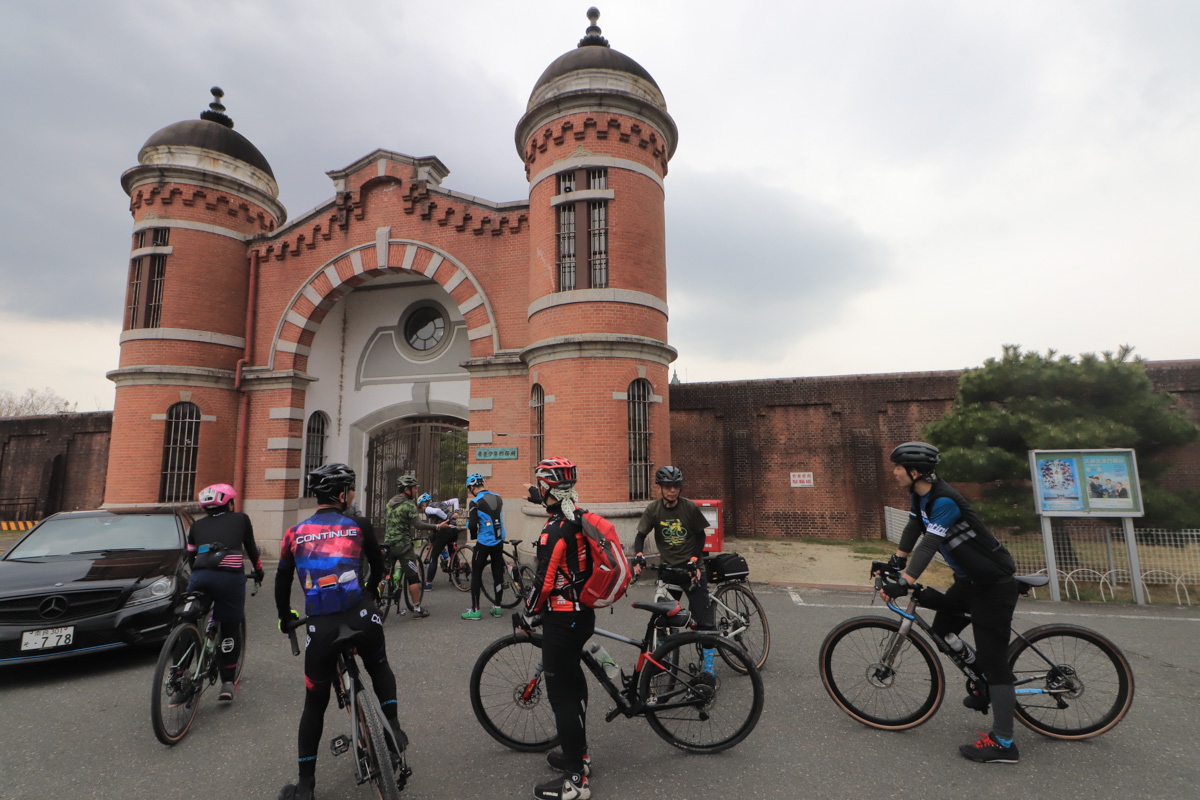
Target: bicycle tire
point(385, 598)
point(720, 712)
point(382, 774)
point(510, 583)
point(175, 694)
point(1096, 672)
point(241, 662)
point(883, 696)
point(460, 568)
point(527, 576)
point(744, 610)
point(508, 694)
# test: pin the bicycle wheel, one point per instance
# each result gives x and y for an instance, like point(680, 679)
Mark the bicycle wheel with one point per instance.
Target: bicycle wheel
point(740, 617)
point(697, 711)
point(891, 691)
point(460, 568)
point(527, 576)
point(380, 768)
point(508, 694)
point(241, 662)
point(175, 696)
point(385, 597)
point(510, 583)
point(1084, 680)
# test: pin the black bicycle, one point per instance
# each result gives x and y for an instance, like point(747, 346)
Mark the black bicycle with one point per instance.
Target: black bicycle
point(456, 565)
point(378, 757)
point(517, 578)
point(694, 710)
point(1071, 682)
point(187, 665)
point(392, 590)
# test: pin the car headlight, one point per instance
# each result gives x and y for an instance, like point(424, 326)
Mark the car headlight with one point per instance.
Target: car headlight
point(156, 590)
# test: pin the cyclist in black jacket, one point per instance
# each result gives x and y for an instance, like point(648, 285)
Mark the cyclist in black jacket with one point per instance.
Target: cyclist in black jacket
point(984, 586)
point(215, 543)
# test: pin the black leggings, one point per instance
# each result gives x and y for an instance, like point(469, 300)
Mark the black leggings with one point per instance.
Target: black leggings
point(564, 633)
point(439, 542)
point(484, 553)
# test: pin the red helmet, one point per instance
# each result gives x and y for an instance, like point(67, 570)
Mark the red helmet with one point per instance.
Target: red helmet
point(216, 495)
point(555, 472)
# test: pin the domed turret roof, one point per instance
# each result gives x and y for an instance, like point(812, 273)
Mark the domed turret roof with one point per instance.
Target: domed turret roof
point(593, 52)
point(213, 131)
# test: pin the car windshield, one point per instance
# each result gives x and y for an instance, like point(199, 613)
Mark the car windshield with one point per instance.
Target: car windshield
point(91, 534)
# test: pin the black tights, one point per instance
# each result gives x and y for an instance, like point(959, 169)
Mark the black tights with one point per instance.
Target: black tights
point(564, 633)
point(316, 700)
point(484, 553)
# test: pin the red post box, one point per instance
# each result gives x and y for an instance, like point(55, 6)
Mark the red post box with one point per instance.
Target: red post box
point(714, 534)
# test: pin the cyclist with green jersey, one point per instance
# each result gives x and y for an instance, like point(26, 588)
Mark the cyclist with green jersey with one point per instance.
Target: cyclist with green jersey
point(403, 518)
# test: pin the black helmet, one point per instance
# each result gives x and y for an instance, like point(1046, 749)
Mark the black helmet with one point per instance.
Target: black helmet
point(921, 456)
point(405, 482)
point(668, 474)
point(331, 480)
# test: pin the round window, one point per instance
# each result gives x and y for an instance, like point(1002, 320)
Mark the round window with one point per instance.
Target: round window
point(425, 329)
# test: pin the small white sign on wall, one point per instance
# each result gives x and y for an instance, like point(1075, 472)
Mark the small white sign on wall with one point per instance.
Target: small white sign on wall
point(802, 480)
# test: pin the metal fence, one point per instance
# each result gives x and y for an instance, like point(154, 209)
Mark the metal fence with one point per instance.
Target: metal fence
point(1094, 564)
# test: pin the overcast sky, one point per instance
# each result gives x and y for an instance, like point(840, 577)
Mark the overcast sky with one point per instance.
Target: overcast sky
point(859, 186)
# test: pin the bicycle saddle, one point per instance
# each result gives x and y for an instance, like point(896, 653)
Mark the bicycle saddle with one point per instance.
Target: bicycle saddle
point(348, 637)
point(1033, 580)
point(513, 541)
point(672, 614)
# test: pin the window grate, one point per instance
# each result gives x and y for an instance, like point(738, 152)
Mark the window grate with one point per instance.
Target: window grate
point(537, 402)
point(139, 239)
point(154, 293)
point(566, 247)
point(598, 178)
point(639, 439)
point(135, 292)
point(314, 445)
point(598, 238)
point(180, 446)
point(161, 237)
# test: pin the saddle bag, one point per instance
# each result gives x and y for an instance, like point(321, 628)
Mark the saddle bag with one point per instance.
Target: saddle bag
point(726, 567)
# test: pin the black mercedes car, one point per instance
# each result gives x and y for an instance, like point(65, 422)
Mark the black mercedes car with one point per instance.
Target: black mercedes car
point(83, 581)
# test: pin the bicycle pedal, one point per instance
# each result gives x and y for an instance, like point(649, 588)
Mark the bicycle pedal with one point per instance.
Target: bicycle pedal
point(339, 744)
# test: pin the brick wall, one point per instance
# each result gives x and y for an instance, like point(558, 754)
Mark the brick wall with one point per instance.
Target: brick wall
point(52, 463)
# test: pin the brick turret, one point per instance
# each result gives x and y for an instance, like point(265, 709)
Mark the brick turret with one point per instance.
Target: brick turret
point(200, 190)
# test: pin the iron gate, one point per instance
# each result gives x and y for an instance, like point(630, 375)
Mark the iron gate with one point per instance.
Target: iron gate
point(434, 449)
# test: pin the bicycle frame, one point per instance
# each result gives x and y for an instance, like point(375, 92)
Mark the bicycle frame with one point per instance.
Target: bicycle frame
point(346, 689)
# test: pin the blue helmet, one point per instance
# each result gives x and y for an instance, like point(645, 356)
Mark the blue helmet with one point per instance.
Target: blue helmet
point(425, 498)
point(475, 480)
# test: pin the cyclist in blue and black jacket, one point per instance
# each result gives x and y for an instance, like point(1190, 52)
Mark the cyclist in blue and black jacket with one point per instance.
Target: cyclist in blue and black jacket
point(486, 526)
point(984, 586)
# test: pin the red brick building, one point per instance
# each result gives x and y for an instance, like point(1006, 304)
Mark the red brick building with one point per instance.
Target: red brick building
point(400, 326)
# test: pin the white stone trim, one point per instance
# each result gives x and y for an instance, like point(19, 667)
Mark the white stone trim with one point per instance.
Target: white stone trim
point(581, 196)
point(285, 412)
point(381, 168)
point(584, 159)
point(471, 303)
point(480, 332)
point(382, 235)
point(410, 255)
point(207, 178)
point(356, 261)
point(598, 345)
point(480, 404)
point(312, 294)
point(331, 274)
point(151, 251)
point(284, 443)
point(549, 398)
point(620, 395)
point(435, 261)
point(454, 281)
point(158, 417)
point(183, 335)
point(209, 160)
point(656, 398)
point(300, 322)
point(208, 418)
point(479, 437)
point(284, 346)
point(282, 474)
point(203, 227)
point(483, 469)
point(171, 375)
point(627, 296)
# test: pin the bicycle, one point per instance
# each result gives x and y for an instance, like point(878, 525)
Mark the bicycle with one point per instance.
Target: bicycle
point(736, 611)
point(370, 734)
point(391, 593)
point(457, 565)
point(695, 711)
point(517, 579)
point(1071, 682)
point(187, 665)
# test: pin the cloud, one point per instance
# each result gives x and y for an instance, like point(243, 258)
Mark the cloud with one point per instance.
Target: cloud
point(752, 268)
point(70, 358)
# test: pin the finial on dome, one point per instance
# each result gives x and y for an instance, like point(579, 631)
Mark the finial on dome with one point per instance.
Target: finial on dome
point(216, 112)
point(593, 37)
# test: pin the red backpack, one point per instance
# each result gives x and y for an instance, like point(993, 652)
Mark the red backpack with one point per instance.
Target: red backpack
point(610, 575)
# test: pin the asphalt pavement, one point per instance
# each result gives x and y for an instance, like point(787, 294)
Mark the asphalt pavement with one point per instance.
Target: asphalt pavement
point(80, 728)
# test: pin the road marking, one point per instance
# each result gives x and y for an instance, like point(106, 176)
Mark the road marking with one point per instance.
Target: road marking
point(796, 599)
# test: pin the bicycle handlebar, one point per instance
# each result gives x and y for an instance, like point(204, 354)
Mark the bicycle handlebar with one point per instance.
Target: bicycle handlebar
point(291, 632)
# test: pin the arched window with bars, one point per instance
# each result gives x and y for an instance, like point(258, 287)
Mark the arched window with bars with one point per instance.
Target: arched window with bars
point(316, 434)
point(640, 465)
point(180, 446)
point(537, 407)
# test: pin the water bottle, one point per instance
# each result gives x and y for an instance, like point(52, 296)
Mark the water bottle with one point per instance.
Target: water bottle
point(611, 669)
point(960, 648)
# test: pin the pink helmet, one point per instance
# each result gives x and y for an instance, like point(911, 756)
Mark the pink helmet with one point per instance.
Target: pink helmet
point(216, 495)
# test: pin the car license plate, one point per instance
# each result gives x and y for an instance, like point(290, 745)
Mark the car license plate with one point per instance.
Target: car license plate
point(47, 638)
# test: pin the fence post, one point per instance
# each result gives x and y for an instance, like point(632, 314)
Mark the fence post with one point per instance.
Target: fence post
point(1135, 567)
point(1051, 562)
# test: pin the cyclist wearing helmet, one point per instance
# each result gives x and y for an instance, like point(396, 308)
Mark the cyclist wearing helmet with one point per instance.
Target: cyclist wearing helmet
point(403, 518)
point(566, 625)
point(486, 526)
point(214, 544)
point(983, 585)
point(678, 526)
point(441, 539)
point(327, 549)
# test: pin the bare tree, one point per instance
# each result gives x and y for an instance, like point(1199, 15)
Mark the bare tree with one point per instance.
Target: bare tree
point(34, 401)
